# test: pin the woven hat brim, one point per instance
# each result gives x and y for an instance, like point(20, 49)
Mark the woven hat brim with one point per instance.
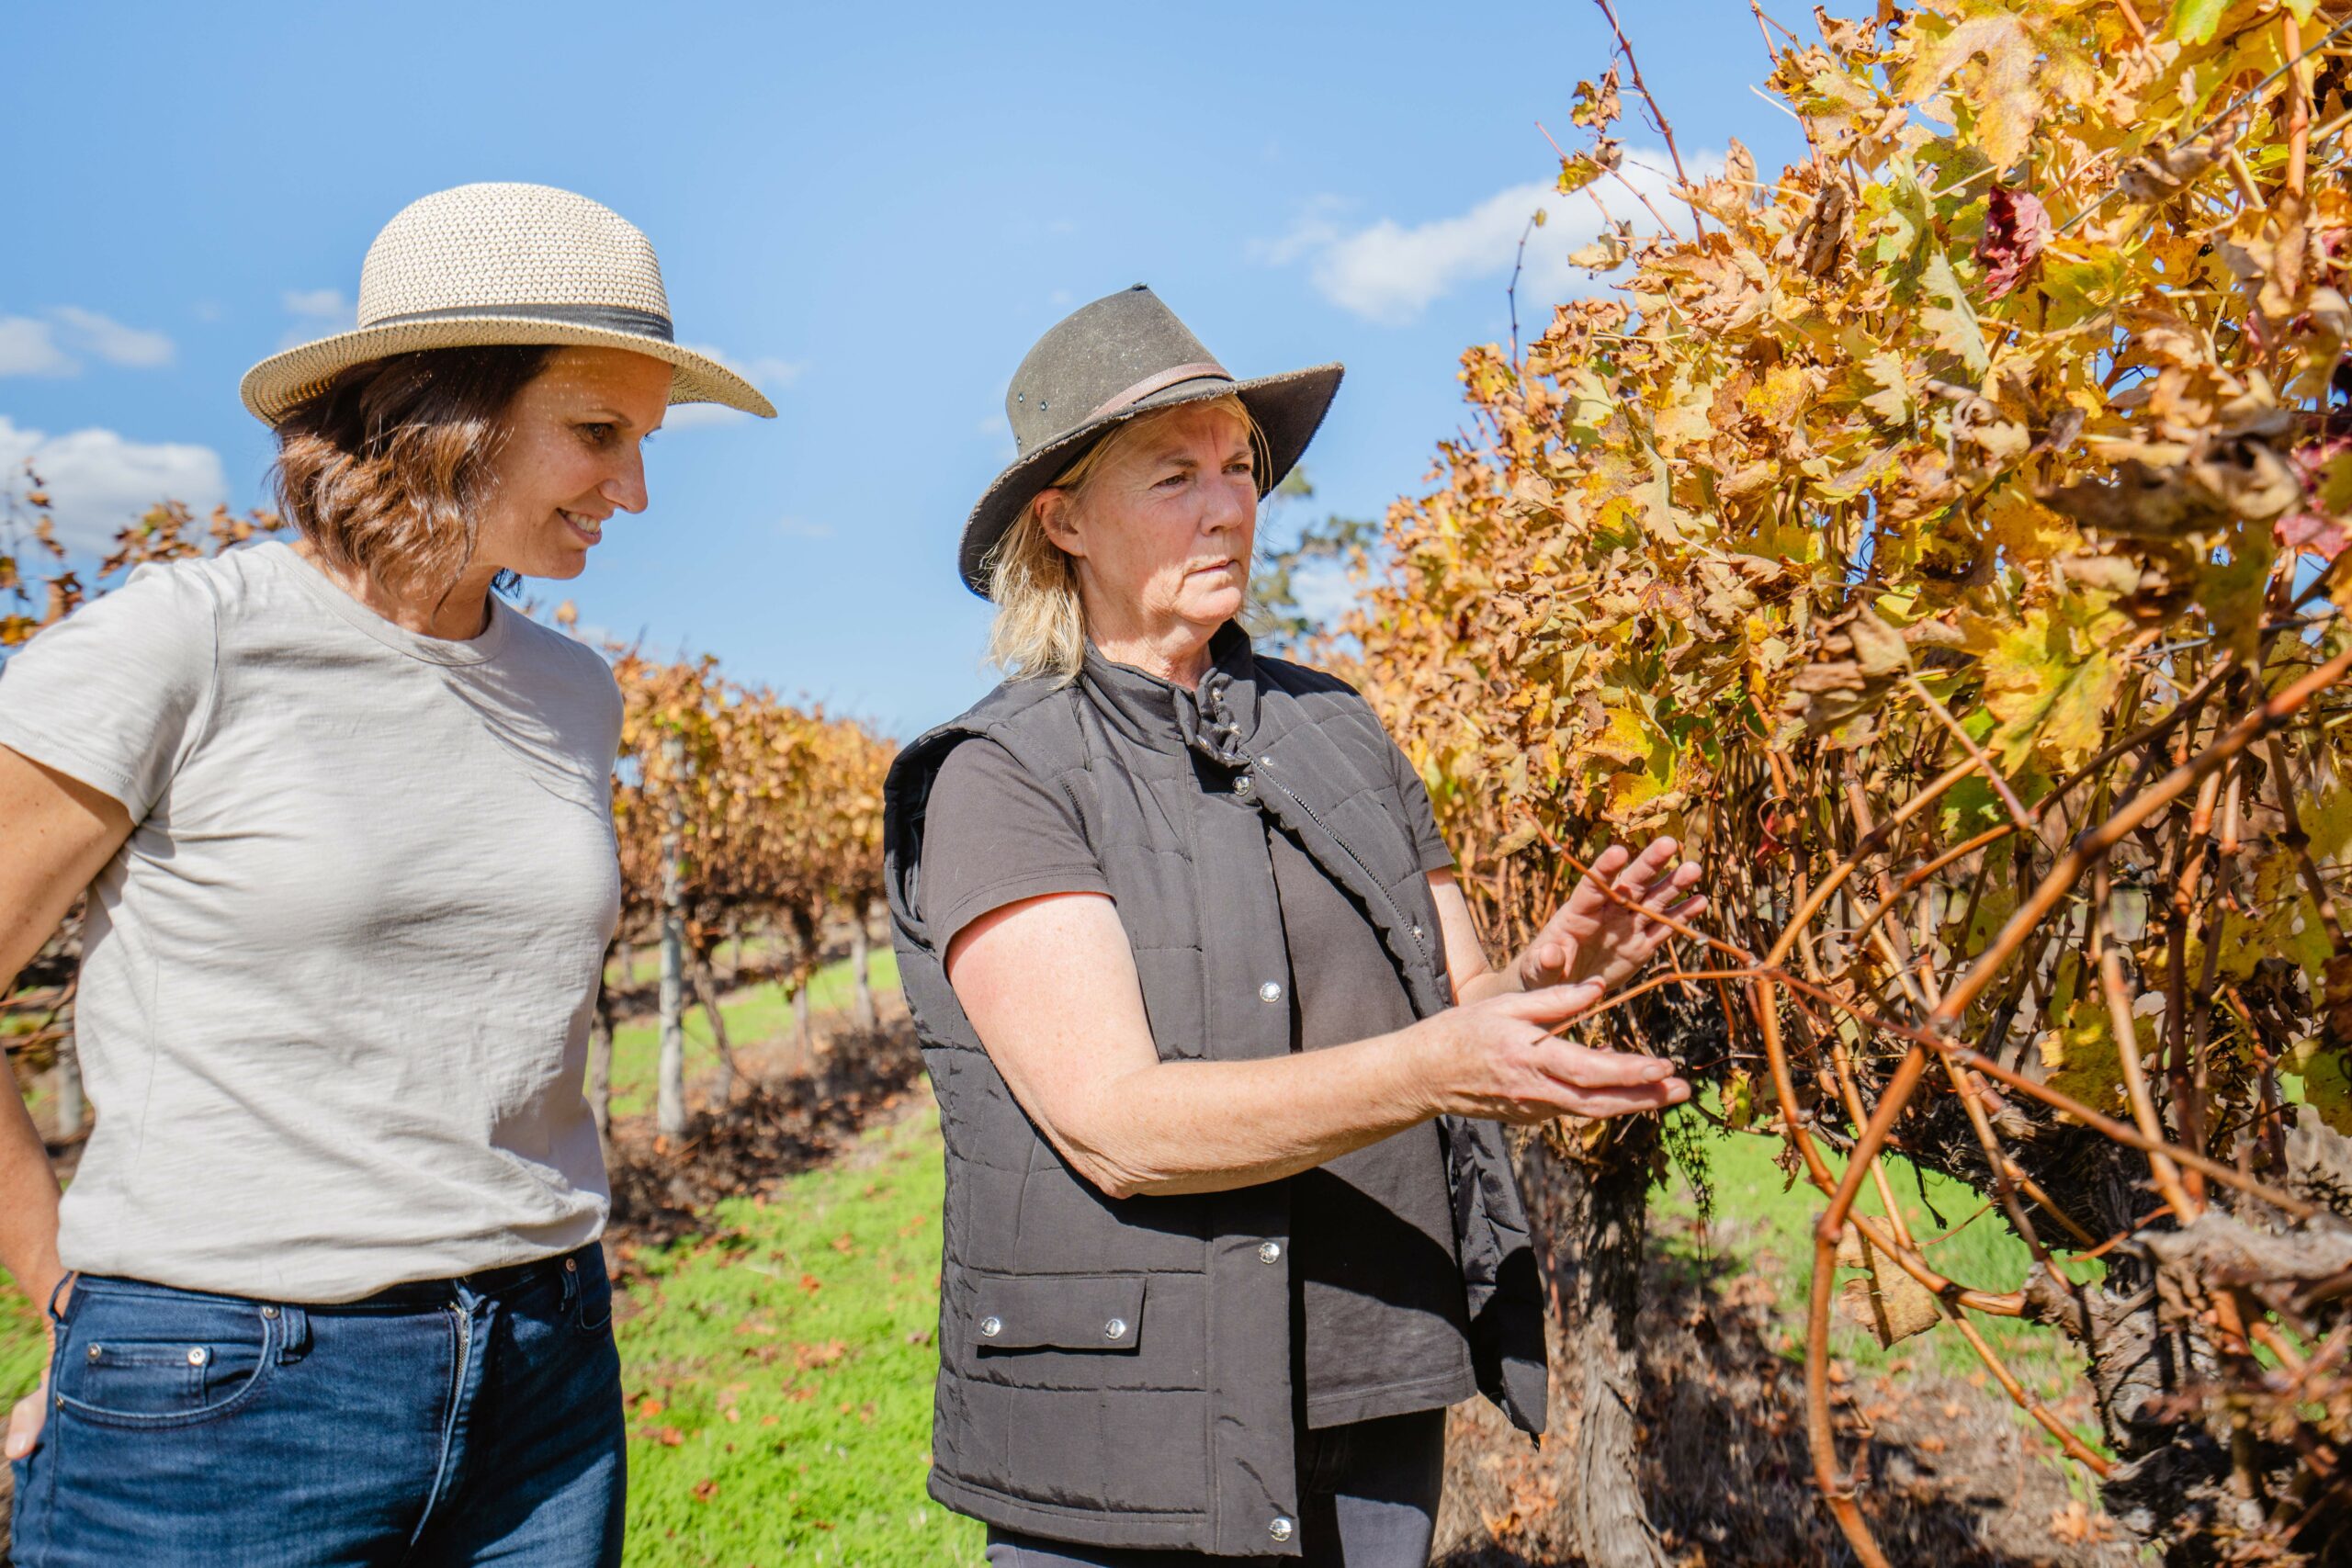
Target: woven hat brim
point(1289, 409)
point(282, 380)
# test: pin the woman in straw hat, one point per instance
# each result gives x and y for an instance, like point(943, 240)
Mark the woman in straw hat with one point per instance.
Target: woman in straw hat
point(1229, 1219)
point(326, 1287)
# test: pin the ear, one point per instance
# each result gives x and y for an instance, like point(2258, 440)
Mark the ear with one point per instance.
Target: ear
point(1059, 518)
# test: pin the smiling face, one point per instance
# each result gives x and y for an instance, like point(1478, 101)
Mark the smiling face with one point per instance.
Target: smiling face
point(573, 456)
point(1162, 528)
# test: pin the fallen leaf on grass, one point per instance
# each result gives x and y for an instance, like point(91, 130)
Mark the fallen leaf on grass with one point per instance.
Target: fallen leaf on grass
point(705, 1490)
point(2078, 1526)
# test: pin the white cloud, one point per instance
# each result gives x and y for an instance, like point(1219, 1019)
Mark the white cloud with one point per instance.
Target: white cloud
point(28, 348)
point(319, 304)
point(99, 481)
point(700, 416)
point(1389, 271)
point(32, 347)
point(1000, 429)
point(113, 342)
point(769, 375)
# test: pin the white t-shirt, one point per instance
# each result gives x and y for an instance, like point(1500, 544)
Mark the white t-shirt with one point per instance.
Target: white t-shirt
point(336, 986)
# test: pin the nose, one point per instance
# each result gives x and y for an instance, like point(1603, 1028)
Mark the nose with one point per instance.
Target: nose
point(626, 487)
point(1233, 507)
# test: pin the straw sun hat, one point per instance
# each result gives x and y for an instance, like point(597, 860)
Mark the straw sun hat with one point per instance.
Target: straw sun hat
point(504, 263)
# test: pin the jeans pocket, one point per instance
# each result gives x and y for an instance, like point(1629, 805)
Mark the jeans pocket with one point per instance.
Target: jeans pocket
point(595, 1293)
point(159, 1359)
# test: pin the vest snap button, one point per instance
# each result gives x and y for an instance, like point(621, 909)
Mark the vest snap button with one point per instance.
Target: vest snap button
point(1281, 1529)
point(1272, 991)
point(1115, 1329)
point(990, 1327)
point(1243, 785)
point(1419, 933)
point(1270, 1252)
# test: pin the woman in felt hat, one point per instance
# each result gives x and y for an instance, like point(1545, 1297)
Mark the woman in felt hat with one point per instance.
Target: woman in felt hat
point(326, 1288)
point(1221, 1064)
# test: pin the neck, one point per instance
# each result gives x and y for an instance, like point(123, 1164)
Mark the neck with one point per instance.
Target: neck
point(1178, 653)
point(460, 616)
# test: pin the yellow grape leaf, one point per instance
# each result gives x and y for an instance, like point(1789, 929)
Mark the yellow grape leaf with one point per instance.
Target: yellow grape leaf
point(2328, 1089)
point(1946, 312)
point(2045, 695)
point(1781, 397)
point(2080, 1054)
point(2004, 100)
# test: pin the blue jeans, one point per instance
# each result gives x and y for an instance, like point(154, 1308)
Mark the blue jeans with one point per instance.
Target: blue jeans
point(452, 1422)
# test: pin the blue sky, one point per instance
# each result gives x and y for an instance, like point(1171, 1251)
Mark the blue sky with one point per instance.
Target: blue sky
point(874, 210)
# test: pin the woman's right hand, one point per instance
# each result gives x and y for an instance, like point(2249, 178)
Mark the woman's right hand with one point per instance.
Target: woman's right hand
point(1498, 1059)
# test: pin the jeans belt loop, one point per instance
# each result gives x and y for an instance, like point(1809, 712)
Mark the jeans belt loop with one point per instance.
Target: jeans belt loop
point(293, 1331)
point(70, 1276)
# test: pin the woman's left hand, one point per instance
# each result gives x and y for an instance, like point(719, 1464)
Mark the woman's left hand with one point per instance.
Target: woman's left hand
point(1595, 937)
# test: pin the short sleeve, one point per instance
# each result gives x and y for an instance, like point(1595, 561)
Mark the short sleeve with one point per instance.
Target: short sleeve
point(114, 694)
point(1420, 818)
point(994, 835)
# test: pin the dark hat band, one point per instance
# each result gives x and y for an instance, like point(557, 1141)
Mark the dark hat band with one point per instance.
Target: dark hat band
point(611, 318)
point(1119, 402)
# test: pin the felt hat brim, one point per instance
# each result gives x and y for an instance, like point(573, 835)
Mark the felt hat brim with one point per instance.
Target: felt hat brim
point(1288, 407)
point(282, 380)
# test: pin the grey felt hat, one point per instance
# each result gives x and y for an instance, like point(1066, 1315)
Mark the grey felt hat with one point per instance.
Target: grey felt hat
point(1105, 364)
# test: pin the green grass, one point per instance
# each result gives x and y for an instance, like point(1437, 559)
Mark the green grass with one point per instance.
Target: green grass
point(779, 1371)
point(1764, 1224)
point(760, 1012)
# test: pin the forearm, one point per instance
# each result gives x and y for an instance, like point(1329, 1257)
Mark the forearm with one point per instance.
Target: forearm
point(27, 1203)
point(1211, 1126)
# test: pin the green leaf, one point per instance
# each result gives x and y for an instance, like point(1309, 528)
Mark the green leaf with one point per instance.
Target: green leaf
point(2195, 21)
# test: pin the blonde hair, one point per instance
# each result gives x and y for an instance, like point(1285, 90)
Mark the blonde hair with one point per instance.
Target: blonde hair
point(1040, 627)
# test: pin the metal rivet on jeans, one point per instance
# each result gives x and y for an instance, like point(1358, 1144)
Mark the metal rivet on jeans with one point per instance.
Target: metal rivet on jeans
point(571, 1265)
point(96, 1351)
point(196, 1356)
point(270, 1312)
point(1115, 1329)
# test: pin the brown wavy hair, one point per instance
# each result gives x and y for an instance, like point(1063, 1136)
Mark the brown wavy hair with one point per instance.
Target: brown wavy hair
point(386, 469)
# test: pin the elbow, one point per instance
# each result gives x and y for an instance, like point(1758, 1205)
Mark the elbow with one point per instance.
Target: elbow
point(1108, 1176)
point(1099, 1165)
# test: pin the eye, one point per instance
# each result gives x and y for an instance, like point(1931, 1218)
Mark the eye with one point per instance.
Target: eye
point(598, 432)
point(1177, 478)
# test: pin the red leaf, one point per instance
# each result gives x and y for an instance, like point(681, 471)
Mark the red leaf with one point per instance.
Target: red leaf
point(2016, 228)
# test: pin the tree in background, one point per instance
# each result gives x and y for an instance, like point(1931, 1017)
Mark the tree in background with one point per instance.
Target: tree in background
point(1944, 537)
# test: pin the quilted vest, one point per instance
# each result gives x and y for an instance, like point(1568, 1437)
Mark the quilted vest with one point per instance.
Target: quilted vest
point(1117, 1372)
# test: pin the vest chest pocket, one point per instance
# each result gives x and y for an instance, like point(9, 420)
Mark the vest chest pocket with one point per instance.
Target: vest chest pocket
point(1057, 1312)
